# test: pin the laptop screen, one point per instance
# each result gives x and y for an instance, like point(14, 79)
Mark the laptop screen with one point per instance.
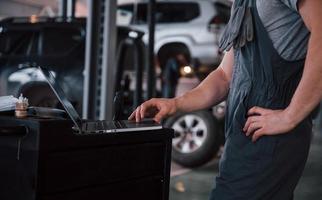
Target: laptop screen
point(62, 97)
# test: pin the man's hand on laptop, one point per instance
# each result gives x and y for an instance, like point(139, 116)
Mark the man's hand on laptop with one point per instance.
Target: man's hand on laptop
point(156, 108)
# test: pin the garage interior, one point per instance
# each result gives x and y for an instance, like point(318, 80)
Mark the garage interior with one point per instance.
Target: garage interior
point(108, 66)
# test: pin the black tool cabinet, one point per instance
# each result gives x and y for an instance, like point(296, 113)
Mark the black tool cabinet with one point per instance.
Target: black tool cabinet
point(43, 159)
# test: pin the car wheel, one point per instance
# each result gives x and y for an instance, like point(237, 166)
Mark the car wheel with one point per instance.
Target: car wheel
point(196, 138)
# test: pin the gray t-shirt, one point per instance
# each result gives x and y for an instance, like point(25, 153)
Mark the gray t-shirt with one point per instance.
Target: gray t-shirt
point(285, 27)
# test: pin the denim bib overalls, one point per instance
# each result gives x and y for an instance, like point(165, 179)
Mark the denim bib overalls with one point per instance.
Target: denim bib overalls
point(270, 168)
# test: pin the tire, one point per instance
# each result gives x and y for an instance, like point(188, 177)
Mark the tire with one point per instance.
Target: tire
point(193, 148)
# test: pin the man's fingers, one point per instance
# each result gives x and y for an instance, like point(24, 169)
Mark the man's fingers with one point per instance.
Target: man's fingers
point(249, 121)
point(259, 133)
point(159, 116)
point(253, 127)
point(142, 111)
point(155, 108)
point(255, 110)
point(145, 106)
point(138, 114)
point(258, 111)
point(131, 117)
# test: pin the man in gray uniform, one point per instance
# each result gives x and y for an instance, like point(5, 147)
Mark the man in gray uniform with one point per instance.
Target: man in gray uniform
point(271, 77)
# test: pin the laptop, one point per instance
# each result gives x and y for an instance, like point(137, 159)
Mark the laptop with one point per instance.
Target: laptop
point(103, 126)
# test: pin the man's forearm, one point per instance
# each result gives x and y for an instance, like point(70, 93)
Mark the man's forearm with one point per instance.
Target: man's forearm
point(309, 91)
point(211, 91)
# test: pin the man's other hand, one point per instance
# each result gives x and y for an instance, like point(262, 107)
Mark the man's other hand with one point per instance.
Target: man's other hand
point(263, 121)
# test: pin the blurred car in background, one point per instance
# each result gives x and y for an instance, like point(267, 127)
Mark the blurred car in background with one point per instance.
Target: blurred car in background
point(192, 27)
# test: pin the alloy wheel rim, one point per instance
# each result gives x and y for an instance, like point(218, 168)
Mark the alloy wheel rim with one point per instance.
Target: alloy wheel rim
point(191, 132)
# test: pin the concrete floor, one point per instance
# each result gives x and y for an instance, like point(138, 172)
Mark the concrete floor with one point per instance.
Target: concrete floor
point(196, 184)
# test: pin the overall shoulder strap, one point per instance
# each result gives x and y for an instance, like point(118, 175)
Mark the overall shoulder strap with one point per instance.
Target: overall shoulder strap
point(251, 3)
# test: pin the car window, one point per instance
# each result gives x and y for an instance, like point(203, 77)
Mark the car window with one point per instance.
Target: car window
point(61, 40)
point(124, 14)
point(223, 11)
point(126, 7)
point(18, 42)
point(169, 12)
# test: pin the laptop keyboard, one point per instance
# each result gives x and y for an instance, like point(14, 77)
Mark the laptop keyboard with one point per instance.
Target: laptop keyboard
point(104, 125)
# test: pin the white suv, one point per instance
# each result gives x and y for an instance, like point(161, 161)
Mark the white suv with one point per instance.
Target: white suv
point(192, 27)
